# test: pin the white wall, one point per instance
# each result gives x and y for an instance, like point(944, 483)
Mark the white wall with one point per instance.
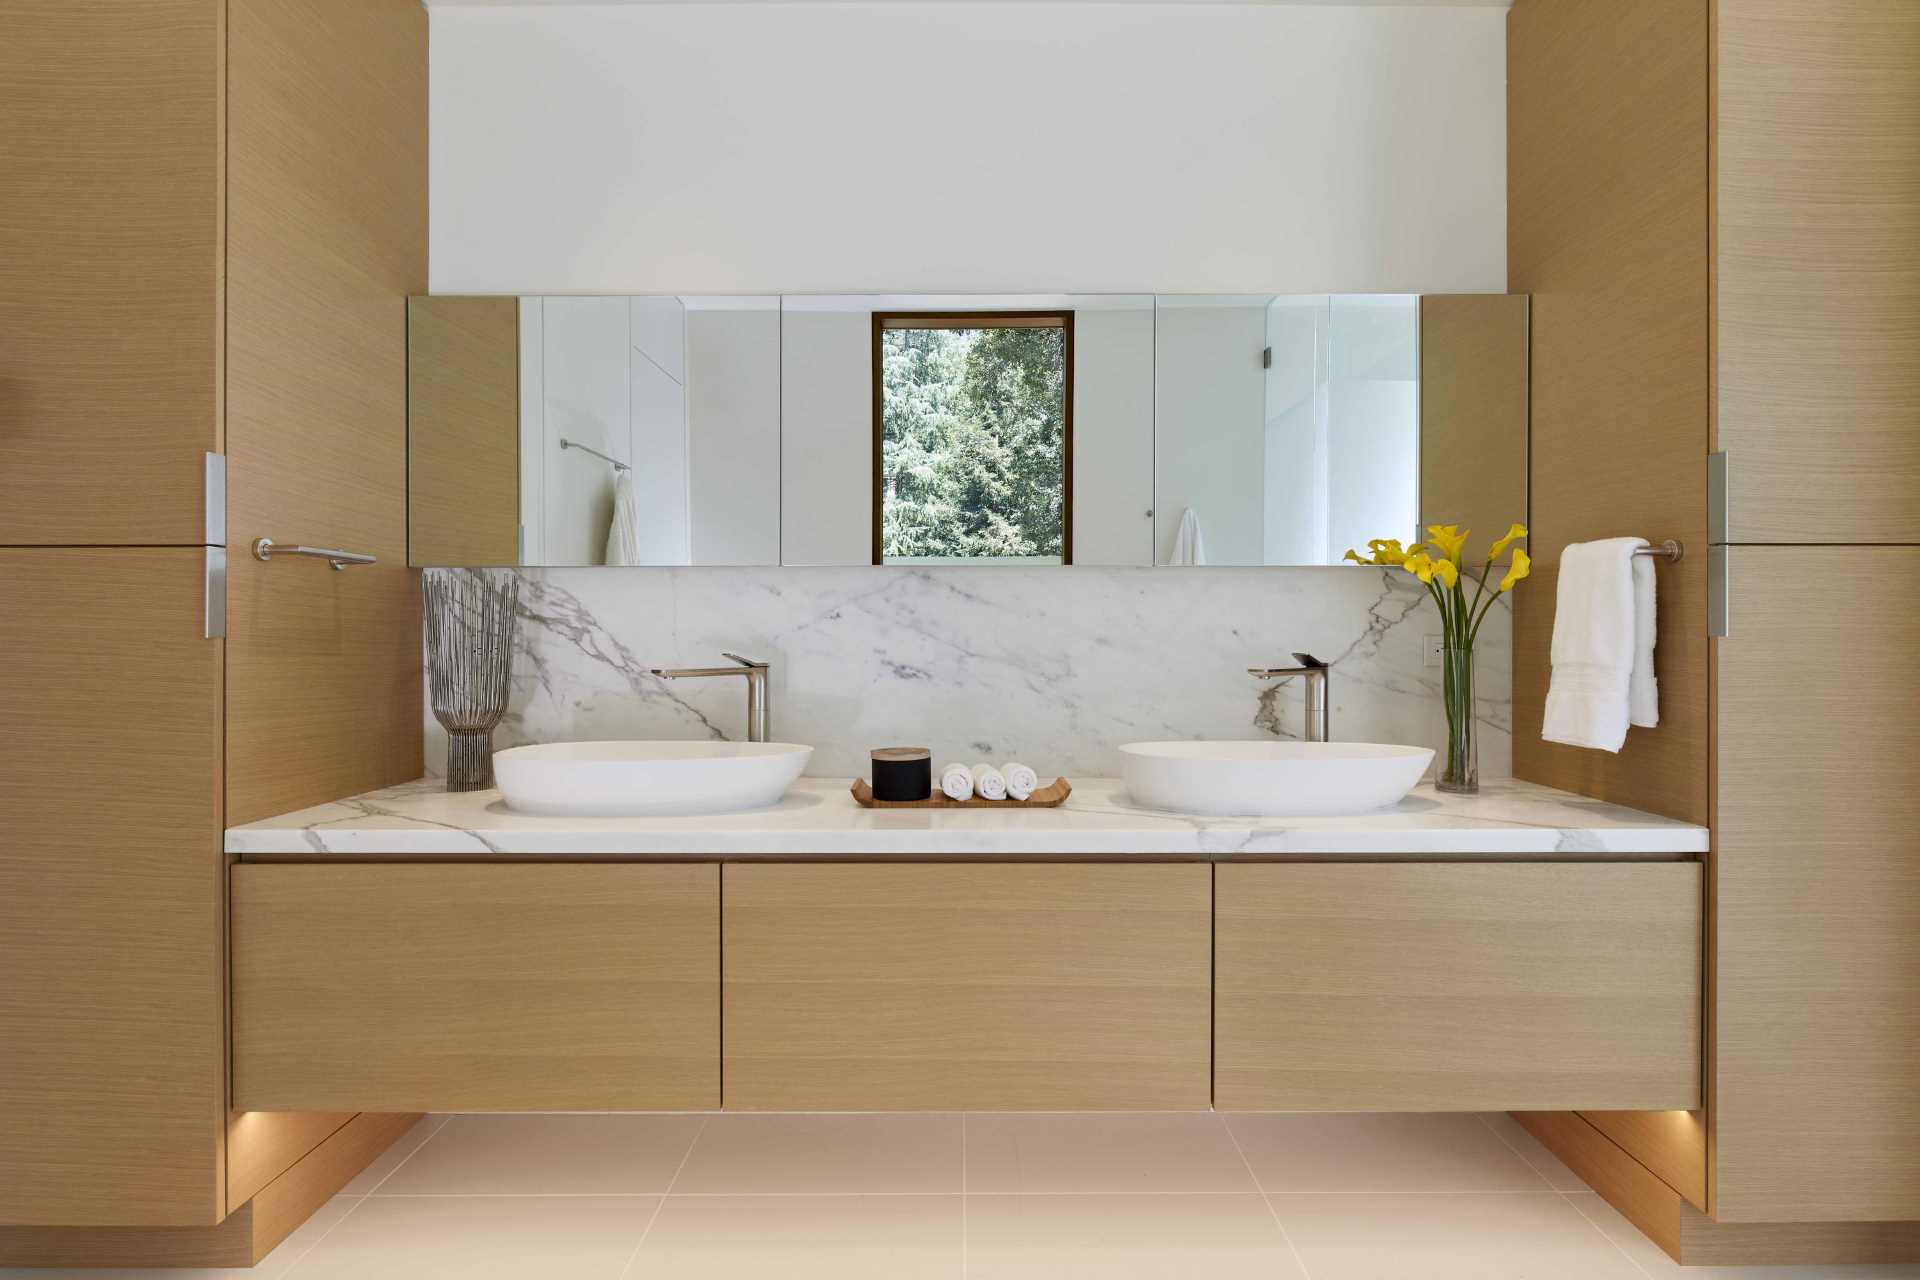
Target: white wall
point(733, 419)
point(1223, 148)
point(1209, 439)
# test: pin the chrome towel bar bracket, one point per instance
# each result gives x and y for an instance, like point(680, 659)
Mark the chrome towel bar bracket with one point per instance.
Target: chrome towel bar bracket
point(267, 549)
point(1670, 551)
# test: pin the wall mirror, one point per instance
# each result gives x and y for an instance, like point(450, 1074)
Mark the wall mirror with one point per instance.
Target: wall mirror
point(913, 429)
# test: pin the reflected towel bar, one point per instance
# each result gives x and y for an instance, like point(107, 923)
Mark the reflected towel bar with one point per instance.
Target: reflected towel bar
point(617, 464)
point(267, 549)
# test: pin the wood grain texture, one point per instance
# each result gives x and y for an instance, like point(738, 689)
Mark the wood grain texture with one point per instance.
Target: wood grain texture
point(112, 1065)
point(463, 431)
point(261, 1145)
point(1623, 1182)
point(1707, 1243)
point(1672, 1144)
point(326, 240)
point(110, 245)
point(245, 1236)
point(1473, 412)
point(1818, 234)
point(1607, 193)
point(1462, 987)
point(1817, 1078)
point(503, 987)
point(983, 987)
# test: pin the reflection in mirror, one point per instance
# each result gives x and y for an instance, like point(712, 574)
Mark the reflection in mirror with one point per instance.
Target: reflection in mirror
point(594, 430)
point(1287, 427)
point(972, 459)
point(967, 429)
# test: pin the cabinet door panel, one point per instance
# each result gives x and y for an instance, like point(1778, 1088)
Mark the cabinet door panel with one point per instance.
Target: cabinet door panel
point(110, 245)
point(112, 981)
point(1818, 229)
point(1816, 1104)
point(506, 987)
point(993, 988)
point(1457, 987)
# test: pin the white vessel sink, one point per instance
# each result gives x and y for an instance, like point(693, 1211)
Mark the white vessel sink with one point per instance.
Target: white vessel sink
point(638, 779)
point(1271, 779)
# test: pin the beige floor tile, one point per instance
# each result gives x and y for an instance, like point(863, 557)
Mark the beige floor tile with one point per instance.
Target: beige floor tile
point(823, 1154)
point(394, 1156)
point(304, 1237)
point(1658, 1265)
point(1544, 1162)
point(1470, 1236)
point(904, 1237)
point(1298, 1152)
point(1125, 1237)
point(1103, 1152)
point(547, 1155)
point(481, 1238)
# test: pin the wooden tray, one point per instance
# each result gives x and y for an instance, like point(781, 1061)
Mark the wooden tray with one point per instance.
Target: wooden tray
point(1051, 796)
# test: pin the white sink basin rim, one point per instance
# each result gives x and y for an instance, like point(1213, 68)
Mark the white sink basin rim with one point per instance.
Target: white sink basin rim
point(1271, 779)
point(646, 779)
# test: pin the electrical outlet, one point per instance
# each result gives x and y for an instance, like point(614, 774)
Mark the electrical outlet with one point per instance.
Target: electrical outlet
point(1436, 649)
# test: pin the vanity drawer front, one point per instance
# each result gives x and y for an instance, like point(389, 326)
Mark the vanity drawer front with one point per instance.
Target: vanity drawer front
point(1457, 987)
point(480, 987)
point(981, 987)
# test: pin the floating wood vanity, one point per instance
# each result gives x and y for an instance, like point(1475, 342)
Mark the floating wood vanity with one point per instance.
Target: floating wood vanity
point(415, 950)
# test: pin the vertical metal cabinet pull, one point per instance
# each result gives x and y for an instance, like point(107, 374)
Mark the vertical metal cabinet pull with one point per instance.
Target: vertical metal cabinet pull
point(267, 549)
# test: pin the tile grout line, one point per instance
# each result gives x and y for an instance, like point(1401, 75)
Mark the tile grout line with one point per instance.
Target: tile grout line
point(1265, 1199)
point(1518, 1154)
point(360, 1200)
point(671, 1183)
point(1618, 1247)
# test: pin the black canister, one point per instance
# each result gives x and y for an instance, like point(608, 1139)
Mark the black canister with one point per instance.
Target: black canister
point(902, 773)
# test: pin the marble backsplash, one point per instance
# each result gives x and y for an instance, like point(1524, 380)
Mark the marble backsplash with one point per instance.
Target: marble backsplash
point(1054, 667)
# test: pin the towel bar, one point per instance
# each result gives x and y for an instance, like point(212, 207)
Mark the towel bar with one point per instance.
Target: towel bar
point(267, 548)
point(1670, 551)
point(571, 444)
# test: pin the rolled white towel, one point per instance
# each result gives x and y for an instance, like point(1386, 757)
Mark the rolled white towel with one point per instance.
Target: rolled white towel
point(956, 782)
point(1022, 781)
point(987, 782)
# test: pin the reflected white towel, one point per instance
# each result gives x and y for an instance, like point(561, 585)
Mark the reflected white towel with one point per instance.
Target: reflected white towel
point(956, 782)
point(1602, 646)
point(1188, 546)
point(987, 782)
point(623, 535)
point(1021, 780)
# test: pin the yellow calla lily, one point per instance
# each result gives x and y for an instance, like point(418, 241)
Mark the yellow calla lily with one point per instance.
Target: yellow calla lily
point(1420, 566)
point(1522, 566)
point(1381, 551)
point(1447, 572)
point(1449, 540)
point(1355, 556)
point(1514, 534)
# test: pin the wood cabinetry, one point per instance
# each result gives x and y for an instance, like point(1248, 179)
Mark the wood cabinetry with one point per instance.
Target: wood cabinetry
point(988, 987)
point(1456, 987)
point(213, 213)
point(514, 987)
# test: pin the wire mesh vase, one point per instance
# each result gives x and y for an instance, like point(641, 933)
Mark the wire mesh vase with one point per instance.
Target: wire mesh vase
point(470, 626)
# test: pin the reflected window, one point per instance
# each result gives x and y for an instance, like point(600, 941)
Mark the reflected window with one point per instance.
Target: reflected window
point(973, 439)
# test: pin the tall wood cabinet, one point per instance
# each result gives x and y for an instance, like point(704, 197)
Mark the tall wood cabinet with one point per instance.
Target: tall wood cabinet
point(1716, 205)
point(213, 213)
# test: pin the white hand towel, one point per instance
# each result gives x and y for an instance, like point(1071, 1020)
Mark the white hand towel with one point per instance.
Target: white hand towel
point(623, 535)
point(956, 782)
point(1597, 644)
point(1643, 690)
point(987, 782)
point(1188, 546)
point(1021, 780)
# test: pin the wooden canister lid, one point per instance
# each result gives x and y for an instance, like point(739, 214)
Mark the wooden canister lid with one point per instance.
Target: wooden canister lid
point(901, 755)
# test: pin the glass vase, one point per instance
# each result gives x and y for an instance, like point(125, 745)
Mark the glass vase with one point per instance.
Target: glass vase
point(1460, 764)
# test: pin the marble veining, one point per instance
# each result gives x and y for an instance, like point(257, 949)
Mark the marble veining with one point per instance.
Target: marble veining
point(1054, 667)
point(818, 816)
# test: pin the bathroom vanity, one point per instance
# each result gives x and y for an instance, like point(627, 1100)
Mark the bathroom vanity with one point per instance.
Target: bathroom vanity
point(1523, 949)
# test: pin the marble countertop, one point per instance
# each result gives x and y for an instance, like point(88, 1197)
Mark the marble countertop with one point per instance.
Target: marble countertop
point(818, 817)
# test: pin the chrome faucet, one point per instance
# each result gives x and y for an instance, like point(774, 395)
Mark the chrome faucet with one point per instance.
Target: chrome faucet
point(756, 674)
point(1319, 717)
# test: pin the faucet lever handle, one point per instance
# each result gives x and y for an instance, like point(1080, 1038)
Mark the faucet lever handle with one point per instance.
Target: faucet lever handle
point(745, 662)
point(1309, 661)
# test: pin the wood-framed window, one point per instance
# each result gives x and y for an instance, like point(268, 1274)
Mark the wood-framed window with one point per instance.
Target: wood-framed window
point(973, 437)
